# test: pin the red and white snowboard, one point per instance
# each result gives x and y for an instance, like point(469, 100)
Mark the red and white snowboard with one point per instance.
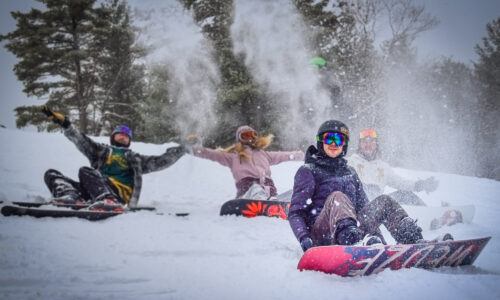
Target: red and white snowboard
point(366, 260)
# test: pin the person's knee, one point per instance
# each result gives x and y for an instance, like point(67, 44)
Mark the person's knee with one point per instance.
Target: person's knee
point(338, 197)
point(85, 171)
point(384, 200)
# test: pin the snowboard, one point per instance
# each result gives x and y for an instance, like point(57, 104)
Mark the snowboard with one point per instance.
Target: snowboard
point(434, 217)
point(12, 210)
point(366, 260)
point(39, 204)
point(253, 208)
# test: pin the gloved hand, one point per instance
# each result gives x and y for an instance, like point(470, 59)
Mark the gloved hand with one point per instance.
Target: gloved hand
point(191, 141)
point(55, 117)
point(306, 243)
point(429, 185)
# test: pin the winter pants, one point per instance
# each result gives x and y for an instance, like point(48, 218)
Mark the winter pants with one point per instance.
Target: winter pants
point(387, 211)
point(407, 198)
point(93, 185)
point(337, 207)
point(382, 210)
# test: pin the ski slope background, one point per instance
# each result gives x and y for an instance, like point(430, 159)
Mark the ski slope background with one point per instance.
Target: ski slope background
point(145, 255)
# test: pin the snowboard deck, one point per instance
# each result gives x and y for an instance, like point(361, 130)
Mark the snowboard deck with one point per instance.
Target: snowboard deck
point(366, 260)
point(39, 204)
point(252, 208)
point(12, 210)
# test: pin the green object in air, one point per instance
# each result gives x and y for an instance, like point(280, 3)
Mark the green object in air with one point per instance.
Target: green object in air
point(317, 62)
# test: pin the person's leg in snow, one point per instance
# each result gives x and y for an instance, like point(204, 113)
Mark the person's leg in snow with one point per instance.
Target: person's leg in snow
point(387, 211)
point(64, 190)
point(100, 189)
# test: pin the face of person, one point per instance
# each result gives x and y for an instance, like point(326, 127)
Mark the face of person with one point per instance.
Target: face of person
point(332, 150)
point(368, 146)
point(121, 138)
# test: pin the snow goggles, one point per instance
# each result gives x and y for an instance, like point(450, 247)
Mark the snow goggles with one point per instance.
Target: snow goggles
point(122, 129)
point(332, 137)
point(246, 136)
point(368, 133)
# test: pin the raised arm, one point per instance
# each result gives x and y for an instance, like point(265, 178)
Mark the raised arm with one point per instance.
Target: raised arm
point(83, 143)
point(221, 157)
point(276, 157)
point(151, 163)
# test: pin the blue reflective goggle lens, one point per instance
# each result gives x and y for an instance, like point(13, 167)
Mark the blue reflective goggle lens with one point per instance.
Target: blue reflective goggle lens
point(123, 129)
point(333, 137)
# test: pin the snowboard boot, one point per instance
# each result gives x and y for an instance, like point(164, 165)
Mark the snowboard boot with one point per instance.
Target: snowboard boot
point(408, 232)
point(347, 232)
point(107, 205)
point(439, 238)
point(69, 198)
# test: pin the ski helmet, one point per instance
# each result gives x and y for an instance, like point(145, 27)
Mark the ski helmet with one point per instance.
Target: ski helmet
point(317, 63)
point(368, 135)
point(333, 126)
point(121, 129)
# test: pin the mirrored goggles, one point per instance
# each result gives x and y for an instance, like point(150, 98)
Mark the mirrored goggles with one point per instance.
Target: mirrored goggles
point(368, 133)
point(246, 136)
point(333, 137)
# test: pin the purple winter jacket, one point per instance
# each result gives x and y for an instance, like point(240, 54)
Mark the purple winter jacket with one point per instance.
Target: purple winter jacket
point(314, 182)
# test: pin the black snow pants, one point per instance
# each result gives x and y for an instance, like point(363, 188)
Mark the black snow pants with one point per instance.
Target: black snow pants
point(92, 185)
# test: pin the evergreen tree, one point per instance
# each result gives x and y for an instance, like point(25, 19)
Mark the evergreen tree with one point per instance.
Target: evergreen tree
point(158, 112)
point(82, 58)
point(488, 73)
point(120, 86)
point(239, 100)
point(339, 37)
point(53, 48)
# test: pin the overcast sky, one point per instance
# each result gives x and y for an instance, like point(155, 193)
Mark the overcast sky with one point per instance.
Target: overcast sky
point(463, 25)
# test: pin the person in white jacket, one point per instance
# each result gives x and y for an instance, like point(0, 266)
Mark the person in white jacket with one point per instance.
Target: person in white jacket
point(376, 174)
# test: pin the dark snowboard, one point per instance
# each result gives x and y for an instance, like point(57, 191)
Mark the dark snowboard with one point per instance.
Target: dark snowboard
point(253, 208)
point(366, 260)
point(39, 204)
point(11, 210)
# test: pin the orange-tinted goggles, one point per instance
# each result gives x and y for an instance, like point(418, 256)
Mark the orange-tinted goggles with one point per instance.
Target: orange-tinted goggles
point(368, 133)
point(246, 136)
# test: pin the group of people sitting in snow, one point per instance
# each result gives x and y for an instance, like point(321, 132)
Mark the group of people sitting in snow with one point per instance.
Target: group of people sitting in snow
point(329, 203)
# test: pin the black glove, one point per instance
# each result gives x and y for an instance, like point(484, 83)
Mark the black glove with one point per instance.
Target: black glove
point(55, 117)
point(306, 243)
point(429, 185)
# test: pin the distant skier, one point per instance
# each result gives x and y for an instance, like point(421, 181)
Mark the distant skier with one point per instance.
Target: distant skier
point(249, 162)
point(376, 174)
point(329, 202)
point(115, 178)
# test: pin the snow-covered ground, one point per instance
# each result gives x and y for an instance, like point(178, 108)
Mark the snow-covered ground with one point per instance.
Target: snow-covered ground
point(146, 255)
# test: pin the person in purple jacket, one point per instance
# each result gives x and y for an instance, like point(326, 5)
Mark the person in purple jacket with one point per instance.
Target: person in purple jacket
point(329, 205)
point(249, 162)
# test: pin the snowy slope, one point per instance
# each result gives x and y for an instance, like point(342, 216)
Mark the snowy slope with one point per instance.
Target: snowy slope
point(203, 256)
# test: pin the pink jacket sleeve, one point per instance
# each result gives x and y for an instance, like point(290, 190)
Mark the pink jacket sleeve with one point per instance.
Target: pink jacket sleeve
point(277, 157)
point(215, 155)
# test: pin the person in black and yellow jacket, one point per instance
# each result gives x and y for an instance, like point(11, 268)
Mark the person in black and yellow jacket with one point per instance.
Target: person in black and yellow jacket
point(114, 179)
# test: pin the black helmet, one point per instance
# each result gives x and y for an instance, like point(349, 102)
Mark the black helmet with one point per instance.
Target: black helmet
point(333, 126)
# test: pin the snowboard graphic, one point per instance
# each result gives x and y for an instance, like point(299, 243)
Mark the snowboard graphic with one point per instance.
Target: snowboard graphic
point(366, 260)
point(253, 208)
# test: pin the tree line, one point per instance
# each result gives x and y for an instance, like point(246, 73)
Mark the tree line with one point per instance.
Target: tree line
point(83, 58)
